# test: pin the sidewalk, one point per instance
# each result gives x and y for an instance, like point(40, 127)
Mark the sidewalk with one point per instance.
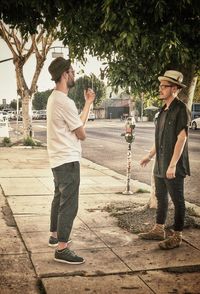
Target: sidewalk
point(116, 260)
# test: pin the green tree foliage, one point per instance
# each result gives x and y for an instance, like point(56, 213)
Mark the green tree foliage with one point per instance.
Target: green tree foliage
point(13, 104)
point(140, 39)
point(40, 99)
point(83, 83)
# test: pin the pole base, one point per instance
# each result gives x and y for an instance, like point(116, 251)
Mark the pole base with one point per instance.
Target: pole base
point(127, 192)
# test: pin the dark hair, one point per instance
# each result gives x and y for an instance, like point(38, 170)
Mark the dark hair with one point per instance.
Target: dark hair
point(58, 80)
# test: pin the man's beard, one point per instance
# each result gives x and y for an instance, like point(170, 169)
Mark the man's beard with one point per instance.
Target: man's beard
point(70, 84)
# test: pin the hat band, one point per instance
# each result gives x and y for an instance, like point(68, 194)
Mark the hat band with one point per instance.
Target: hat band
point(172, 79)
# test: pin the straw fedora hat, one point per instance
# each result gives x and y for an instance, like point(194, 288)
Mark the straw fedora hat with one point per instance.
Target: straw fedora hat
point(173, 76)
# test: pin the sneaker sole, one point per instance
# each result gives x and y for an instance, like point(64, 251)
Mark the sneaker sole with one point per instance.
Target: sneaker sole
point(69, 262)
point(55, 245)
point(152, 238)
point(168, 248)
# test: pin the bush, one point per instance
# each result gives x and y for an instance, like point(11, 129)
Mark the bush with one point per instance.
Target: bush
point(29, 141)
point(6, 141)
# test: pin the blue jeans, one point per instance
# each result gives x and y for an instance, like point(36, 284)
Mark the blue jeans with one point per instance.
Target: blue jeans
point(175, 187)
point(64, 206)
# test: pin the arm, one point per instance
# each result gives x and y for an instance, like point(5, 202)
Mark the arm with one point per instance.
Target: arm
point(145, 160)
point(80, 133)
point(89, 99)
point(178, 149)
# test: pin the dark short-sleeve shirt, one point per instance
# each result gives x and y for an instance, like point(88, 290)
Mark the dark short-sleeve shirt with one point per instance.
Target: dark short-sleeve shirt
point(169, 124)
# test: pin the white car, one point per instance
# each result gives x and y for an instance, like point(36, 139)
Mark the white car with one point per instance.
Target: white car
point(3, 115)
point(35, 114)
point(195, 123)
point(91, 116)
point(12, 114)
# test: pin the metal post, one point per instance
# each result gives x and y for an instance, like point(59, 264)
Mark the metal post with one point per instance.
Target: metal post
point(30, 112)
point(17, 116)
point(128, 191)
point(129, 137)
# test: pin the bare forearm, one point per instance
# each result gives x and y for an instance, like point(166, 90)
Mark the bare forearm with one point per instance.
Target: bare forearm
point(85, 112)
point(145, 160)
point(152, 151)
point(89, 98)
point(178, 149)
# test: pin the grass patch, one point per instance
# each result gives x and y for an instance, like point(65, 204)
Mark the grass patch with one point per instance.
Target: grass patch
point(29, 142)
point(142, 191)
point(6, 142)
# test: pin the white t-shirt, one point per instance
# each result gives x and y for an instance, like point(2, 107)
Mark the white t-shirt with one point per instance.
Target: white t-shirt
point(62, 119)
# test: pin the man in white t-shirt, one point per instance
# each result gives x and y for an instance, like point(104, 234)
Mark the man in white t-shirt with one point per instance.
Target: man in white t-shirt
point(65, 129)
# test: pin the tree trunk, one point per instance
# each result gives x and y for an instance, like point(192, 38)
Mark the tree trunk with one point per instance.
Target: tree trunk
point(191, 91)
point(190, 80)
point(27, 116)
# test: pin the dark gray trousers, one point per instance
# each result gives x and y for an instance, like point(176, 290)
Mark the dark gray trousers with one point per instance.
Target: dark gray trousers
point(64, 206)
point(175, 187)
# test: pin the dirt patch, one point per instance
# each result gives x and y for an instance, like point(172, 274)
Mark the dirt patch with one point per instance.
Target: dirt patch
point(136, 218)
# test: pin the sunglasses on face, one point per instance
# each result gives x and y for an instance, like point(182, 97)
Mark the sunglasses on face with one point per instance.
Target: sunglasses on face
point(163, 87)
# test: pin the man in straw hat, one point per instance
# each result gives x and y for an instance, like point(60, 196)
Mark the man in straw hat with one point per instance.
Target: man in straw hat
point(65, 130)
point(171, 162)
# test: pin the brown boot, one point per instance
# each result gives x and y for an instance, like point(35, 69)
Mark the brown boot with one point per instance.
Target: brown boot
point(172, 242)
point(157, 233)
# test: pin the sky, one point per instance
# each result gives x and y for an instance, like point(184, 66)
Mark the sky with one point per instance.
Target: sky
point(7, 71)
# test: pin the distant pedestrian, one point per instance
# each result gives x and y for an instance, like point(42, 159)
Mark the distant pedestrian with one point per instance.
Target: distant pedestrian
point(171, 163)
point(65, 130)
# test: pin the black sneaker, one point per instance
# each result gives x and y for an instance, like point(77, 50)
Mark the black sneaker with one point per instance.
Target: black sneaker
point(53, 242)
point(68, 256)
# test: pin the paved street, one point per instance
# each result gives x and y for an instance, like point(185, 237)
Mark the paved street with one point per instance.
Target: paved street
point(105, 146)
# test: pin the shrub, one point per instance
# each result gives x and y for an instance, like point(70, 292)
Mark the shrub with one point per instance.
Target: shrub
point(29, 141)
point(6, 141)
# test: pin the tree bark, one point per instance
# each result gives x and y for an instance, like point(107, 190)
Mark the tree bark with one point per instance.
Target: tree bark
point(190, 80)
point(27, 115)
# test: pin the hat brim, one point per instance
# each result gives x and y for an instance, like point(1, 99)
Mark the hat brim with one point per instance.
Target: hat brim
point(163, 78)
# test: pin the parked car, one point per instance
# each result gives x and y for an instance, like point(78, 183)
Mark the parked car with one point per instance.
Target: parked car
point(12, 114)
point(156, 117)
point(19, 116)
point(3, 115)
point(35, 114)
point(195, 123)
point(195, 110)
point(42, 114)
point(91, 116)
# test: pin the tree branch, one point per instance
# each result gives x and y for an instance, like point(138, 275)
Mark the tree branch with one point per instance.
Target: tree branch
point(5, 34)
point(40, 60)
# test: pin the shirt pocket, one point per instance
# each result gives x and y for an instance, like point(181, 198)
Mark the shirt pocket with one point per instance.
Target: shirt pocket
point(171, 123)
